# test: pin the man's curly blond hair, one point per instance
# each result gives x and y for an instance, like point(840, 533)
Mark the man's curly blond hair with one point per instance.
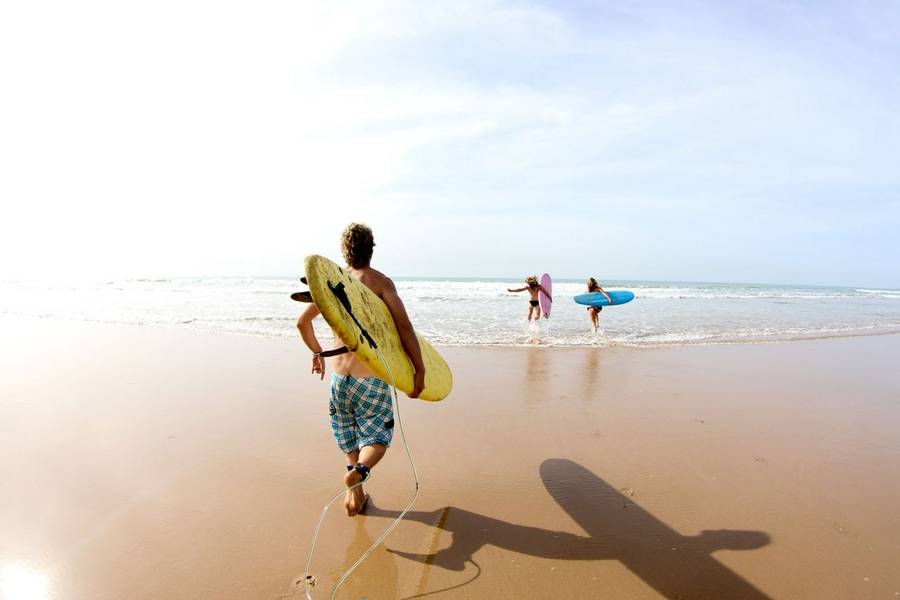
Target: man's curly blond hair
point(357, 243)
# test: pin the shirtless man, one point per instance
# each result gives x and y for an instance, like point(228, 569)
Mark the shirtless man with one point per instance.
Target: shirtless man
point(533, 287)
point(362, 415)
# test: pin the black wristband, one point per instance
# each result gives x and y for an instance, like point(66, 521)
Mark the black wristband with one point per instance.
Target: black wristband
point(335, 352)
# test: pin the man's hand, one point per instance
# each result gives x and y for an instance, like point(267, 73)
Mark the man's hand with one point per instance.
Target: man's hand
point(418, 384)
point(318, 366)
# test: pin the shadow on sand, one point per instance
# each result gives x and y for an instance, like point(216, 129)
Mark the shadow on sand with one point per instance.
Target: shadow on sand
point(675, 565)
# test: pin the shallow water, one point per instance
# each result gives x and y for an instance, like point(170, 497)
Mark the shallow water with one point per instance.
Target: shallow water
point(481, 312)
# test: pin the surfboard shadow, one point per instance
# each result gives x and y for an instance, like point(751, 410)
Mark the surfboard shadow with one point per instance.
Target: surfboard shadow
point(675, 565)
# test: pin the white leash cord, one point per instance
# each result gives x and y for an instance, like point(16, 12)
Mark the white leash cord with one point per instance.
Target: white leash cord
point(308, 581)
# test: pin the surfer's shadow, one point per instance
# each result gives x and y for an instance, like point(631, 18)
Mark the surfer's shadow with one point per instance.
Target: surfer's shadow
point(674, 565)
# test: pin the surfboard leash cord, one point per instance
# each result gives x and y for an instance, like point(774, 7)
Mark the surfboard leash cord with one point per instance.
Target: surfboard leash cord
point(308, 580)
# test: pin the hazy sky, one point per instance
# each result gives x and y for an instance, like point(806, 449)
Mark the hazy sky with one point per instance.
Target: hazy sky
point(717, 141)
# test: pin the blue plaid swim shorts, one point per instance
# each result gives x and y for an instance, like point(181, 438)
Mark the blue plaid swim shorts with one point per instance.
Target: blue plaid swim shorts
point(361, 412)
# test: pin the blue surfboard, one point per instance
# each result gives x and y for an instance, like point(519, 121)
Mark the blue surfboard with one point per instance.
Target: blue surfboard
point(598, 299)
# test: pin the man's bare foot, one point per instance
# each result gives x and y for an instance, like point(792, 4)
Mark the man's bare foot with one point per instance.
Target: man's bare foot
point(356, 498)
point(348, 501)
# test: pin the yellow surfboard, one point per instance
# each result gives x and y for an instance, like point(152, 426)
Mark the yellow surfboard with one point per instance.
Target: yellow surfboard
point(362, 320)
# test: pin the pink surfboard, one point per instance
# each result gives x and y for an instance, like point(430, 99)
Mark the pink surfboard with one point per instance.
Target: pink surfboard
point(544, 301)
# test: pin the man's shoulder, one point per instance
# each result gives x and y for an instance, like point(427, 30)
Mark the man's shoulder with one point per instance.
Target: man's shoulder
point(376, 281)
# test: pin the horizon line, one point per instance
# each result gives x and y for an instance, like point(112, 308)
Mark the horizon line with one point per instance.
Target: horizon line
point(501, 278)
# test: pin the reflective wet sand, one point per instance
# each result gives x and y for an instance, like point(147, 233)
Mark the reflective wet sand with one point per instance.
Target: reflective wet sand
point(148, 463)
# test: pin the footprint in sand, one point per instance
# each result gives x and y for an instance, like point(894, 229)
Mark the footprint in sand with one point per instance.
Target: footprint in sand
point(843, 530)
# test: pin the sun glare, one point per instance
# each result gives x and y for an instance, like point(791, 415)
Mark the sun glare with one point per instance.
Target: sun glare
point(18, 582)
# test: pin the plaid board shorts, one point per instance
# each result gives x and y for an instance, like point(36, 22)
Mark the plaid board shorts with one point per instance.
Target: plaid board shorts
point(361, 412)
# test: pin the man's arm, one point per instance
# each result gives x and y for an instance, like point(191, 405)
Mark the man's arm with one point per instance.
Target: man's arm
point(304, 324)
point(546, 293)
point(407, 336)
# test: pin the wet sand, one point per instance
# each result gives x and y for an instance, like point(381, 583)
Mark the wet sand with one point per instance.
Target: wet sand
point(149, 463)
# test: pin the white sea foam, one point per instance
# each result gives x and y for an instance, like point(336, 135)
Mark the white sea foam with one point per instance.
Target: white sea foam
point(893, 294)
point(481, 312)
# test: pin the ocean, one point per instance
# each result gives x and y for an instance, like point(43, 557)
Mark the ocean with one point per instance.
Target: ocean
point(480, 312)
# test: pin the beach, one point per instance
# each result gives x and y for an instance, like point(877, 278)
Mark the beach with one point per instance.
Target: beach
point(152, 462)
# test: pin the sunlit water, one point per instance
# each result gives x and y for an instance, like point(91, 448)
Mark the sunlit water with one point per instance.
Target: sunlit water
point(482, 312)
point(19, 582)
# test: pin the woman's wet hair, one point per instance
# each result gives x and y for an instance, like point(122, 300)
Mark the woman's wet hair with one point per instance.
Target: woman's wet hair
point(592, 283)
point(357, 243)
point(531, 281)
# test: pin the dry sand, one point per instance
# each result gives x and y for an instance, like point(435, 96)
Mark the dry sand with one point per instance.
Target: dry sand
point(147, 463)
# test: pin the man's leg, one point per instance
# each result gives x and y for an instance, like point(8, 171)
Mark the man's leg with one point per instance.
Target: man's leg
point(352, 459)
point(374, 419)
point(368, 456)
point(345, 429)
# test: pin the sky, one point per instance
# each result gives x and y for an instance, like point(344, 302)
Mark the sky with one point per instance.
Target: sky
point(701, 141)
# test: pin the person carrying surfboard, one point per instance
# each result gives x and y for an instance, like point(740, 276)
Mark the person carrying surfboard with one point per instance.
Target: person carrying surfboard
point(594, 311)
point(362, 417)
point(533, 288)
